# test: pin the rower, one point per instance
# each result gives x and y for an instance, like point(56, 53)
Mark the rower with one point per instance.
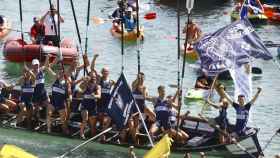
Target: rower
point(242, 110)
point(6, 105)
point(61, 91)
point(129, 20)
point(37, 31)
point(165, 116)
point(106, 87)
point(91, 92)
point(51, 29)
point(27, 82)
point(117, 15)
point(203, 82)
point(222, 119)
point(139, 91)
point(40, 97)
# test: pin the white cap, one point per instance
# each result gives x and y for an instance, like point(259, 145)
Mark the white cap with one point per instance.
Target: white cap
point(35, 62)
point(129, 9)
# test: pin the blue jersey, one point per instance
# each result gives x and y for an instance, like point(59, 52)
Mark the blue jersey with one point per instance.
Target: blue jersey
point(162, 113)
point(59, 94)
point(27, 91)
point(106, 87)
point(40, 81)
point(129, 23)
point(242, 116)
point(89, 102)
point(172, 117)
point(140, 101)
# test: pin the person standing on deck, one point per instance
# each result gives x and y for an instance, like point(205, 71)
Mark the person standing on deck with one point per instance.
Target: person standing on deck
point(91, 92)
point(164, 121)
point(140, 93)
point(40, 97)
point(106, 87)
point(61, 91)
point(194, 33)
point(27, 82)
point(51, 29)
point(6, 105)
point(242, 110)
point(37, 31)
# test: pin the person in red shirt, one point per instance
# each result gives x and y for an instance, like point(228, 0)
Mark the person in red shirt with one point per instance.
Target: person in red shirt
point(37, 31)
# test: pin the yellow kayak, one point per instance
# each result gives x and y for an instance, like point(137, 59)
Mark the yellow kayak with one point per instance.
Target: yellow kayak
point(191, 55)
point(128, 36)
point(12, 151)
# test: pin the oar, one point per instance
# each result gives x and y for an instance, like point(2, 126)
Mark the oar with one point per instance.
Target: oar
point(84, 143)
point(98, 20)
point(226, 134)
point(270, 140)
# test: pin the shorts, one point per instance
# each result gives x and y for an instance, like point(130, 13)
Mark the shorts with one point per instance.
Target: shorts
point(2, 99)
point(165, 124)
point(90, 106)
point(40, 96)
point(27, 102)
point(58, 104)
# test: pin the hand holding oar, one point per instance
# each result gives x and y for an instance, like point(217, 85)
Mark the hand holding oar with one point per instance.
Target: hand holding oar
point(84, 143)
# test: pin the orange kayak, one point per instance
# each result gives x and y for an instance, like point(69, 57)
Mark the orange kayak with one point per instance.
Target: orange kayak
point(128, 36)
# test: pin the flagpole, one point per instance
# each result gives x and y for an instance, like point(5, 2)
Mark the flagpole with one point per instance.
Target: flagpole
point(189, 6)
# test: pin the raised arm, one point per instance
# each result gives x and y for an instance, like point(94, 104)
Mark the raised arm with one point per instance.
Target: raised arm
point(93, 62)
point(209, 101)
point(224, 94)
point(44, 17)
point(256, 96)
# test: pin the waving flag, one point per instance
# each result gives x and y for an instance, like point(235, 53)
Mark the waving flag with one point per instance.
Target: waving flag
point(229, 46)
point(121, 103)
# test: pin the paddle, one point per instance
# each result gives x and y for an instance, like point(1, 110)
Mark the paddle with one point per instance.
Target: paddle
point(84, 143)
point(189, 6)
point(98, 20)
point(270, 140)
point(226, 134)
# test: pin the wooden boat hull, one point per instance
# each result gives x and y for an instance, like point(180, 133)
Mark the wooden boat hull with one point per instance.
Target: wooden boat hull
point(14, 52)
point(128, 36)
point(254, 19)
point(7, 28)
point(195, 127)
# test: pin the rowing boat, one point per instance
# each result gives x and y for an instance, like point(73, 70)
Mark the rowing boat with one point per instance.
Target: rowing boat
point(7, 25)
point(203, 138)
point(128, 36)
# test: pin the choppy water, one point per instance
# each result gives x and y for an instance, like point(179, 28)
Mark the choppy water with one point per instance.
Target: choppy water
point(158, 53)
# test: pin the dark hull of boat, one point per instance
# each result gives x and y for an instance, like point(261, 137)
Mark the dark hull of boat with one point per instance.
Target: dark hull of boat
point(250, 142)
